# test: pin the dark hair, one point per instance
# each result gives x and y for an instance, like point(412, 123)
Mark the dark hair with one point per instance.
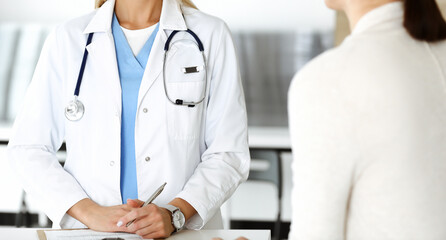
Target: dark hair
point(423, 20)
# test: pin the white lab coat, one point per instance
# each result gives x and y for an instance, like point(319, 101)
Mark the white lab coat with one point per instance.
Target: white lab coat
point(368, 131)
point(201, 152)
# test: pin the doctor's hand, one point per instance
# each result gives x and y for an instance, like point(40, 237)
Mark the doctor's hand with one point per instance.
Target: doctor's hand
point(151, 221)
point(97, 217)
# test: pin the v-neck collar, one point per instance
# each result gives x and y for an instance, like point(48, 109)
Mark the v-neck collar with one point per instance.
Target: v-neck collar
point(121, 42)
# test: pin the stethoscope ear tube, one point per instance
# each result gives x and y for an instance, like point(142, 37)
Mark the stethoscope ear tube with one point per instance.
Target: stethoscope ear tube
point(200, 44)
point(181, 102)
point(169, 39)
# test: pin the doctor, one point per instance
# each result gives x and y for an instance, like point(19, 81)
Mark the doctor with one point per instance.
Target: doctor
point(131, 136)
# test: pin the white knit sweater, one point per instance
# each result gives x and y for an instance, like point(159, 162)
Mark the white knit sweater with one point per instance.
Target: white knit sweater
point(368, 129)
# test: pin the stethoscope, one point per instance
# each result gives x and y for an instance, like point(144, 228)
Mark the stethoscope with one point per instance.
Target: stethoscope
point(75, 109)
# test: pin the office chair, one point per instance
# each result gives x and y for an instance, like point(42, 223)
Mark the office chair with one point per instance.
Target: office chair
point(272, 174)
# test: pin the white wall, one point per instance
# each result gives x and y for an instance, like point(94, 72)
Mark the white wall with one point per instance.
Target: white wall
point(50, 11)
point(265, 15)
point(271, 15)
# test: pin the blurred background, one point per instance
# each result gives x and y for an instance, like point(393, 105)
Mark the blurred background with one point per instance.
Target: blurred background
point(274, 39)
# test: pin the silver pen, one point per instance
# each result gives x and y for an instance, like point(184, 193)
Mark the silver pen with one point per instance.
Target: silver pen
point(150, 200)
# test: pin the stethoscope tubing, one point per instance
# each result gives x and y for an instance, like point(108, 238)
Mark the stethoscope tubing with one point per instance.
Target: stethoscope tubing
point(75, 109)
point(80, 107)
point(180, 101)
point(82, 69)
point(166, 49)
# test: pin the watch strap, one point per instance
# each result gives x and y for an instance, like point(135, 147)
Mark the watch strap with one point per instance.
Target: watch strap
point(172, 209)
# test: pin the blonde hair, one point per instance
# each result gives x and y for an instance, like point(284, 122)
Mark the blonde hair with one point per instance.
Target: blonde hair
point(188, 3)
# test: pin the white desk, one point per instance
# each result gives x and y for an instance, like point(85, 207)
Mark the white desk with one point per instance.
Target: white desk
point(31, 234)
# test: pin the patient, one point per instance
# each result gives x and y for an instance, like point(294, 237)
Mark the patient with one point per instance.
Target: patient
point(368, 128)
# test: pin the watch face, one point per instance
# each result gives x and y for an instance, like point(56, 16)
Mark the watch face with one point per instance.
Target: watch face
point(178, 219)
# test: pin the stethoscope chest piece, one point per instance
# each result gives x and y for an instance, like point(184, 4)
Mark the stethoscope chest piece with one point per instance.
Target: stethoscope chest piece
point(74, 111)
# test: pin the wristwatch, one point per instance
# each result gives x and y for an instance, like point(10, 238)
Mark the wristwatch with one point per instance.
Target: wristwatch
point(178, 218)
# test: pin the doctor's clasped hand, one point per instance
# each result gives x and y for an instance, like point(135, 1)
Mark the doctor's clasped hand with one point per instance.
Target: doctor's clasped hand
point(98, 217)
point(152, 221)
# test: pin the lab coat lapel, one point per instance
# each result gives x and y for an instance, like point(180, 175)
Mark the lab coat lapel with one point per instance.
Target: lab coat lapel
point(171, 19)
point(154, 66)
point(101, 53)
point(101, 21)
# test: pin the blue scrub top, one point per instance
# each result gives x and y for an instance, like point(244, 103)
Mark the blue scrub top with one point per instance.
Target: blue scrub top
point(131, 70)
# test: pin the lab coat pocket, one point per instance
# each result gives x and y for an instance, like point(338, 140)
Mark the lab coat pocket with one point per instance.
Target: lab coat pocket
point(184, 122)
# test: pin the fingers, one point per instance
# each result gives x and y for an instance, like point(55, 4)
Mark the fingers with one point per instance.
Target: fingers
point(154, 231)
point(132, 215)
point(151, 222)
point(139, 214)
point(122, 228)
point(134, 203)
point(151, 231)
point(125, 207)
point(128, 217)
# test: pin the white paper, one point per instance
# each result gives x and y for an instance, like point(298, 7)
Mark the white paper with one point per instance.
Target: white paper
point(87, 235)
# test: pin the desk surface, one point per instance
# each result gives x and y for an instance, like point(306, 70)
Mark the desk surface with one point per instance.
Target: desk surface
point(259, 137)
point(31, 234)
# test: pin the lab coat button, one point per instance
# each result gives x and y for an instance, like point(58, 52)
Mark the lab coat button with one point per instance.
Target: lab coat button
point(145, 110)
point(147, 159)
point(112, 163)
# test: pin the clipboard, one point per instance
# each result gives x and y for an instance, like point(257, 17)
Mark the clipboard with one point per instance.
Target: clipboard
point(83, 234)
point(42, 236)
